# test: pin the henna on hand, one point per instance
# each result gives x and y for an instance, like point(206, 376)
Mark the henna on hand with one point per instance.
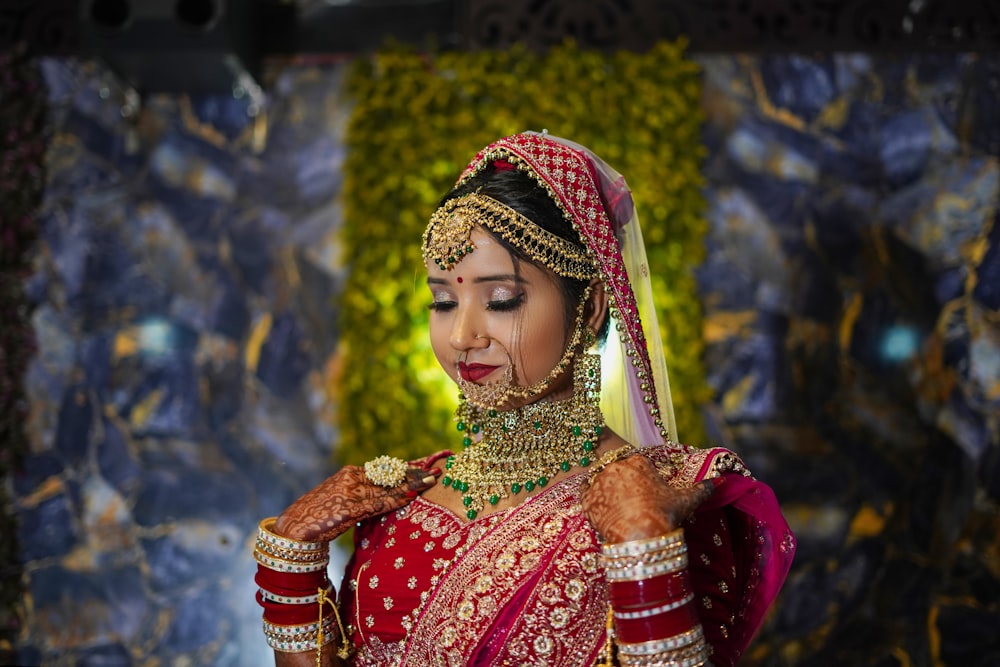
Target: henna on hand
point(343, 499)
point(629, 500)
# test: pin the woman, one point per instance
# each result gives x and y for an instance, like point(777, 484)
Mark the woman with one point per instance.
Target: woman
point(570, 528)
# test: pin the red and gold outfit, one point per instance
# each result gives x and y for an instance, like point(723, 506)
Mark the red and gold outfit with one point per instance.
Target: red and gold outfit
point(525, 586)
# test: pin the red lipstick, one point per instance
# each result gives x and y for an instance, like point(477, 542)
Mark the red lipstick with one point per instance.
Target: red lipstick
point(474, 372)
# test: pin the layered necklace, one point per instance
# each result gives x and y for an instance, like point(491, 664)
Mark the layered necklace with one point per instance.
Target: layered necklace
point(507, 452)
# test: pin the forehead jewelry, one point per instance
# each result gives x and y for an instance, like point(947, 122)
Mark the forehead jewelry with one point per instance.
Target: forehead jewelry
point(448, 237)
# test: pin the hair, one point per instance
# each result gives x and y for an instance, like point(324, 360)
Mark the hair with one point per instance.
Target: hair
point(522, 193)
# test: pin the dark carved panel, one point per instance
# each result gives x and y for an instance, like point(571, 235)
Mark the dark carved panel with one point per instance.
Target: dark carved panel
point(738, 25)
point(46, 26)
point(320, 27)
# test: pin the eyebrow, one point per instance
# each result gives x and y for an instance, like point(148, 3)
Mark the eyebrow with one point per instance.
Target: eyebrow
point(499, 278)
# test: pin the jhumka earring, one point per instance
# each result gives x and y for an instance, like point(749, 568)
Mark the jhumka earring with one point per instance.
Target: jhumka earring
point(587, 370)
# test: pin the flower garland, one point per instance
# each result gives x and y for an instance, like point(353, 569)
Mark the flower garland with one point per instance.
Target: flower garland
point(417, 120)
point(22, 178)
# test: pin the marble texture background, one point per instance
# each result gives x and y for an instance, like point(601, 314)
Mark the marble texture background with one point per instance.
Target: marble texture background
point(851, 293)
point(186, 289)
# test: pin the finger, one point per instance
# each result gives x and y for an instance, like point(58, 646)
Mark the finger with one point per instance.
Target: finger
point(694, 496)
point(419, 479)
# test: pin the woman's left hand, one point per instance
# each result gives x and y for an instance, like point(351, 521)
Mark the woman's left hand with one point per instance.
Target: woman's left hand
point(629, 500)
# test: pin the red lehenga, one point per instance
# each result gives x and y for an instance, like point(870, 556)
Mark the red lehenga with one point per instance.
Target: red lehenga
point(525, 586)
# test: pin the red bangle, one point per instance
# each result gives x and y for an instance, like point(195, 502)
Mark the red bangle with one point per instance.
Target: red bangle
point(289, 583)
point(287, 614)
point(660, 626)
point(323, 583)
point(655, 590)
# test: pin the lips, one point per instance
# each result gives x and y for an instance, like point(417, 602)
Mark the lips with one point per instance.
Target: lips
point(474, 372)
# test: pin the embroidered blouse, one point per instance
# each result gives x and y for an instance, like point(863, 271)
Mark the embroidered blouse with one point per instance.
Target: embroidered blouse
point(524, 586)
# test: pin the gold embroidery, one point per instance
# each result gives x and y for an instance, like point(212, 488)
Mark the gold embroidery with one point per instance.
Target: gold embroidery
point(567, 615)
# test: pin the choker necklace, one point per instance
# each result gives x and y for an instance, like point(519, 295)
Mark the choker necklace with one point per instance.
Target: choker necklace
point(507, 452)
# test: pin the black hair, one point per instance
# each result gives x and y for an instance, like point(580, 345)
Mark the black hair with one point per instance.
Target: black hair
point(523, 193)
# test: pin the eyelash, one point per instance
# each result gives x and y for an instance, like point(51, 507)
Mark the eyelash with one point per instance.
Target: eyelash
point(504, 306)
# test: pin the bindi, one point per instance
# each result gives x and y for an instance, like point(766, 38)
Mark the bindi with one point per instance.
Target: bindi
point(459, 279)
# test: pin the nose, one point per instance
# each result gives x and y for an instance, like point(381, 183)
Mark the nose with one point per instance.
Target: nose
point(467, 330)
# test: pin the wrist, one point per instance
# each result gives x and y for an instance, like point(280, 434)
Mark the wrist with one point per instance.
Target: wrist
point(295, 593)
point(652, 601)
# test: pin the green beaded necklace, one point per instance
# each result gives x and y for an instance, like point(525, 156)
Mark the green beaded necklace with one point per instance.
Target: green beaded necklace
point(507, 452)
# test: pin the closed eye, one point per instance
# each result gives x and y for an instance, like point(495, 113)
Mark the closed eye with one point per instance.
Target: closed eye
point(441, 306)
point(506, 304)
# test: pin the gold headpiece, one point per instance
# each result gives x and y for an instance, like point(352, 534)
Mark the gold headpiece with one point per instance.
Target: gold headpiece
point(447, 238)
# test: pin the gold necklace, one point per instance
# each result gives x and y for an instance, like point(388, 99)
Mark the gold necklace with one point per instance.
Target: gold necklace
point(521, 449)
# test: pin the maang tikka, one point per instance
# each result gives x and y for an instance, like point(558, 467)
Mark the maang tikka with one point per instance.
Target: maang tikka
point(447, 238)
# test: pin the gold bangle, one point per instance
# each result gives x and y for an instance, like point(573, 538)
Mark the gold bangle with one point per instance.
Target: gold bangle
point(300, 642)
point(640, 572)
point(290, 554)
point(659, 646)
point(691, 656)
point(642, 546)
point(281, 565)
point(696, 656)
point(265, 533)
point(656, 558)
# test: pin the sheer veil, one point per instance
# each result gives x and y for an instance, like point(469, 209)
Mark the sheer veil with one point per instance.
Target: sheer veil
point(621, 397)
point(622, 400)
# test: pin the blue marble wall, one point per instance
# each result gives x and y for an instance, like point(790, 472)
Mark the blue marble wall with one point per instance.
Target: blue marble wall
point(186, 286)
point(851, 290)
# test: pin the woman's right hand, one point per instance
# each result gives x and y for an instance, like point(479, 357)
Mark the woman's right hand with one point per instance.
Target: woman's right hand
point(343, 499)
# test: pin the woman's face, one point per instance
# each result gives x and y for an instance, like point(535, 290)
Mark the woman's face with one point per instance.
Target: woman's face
point(483, 309)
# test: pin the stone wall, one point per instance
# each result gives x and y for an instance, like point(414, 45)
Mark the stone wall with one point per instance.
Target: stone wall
point(186, 284)
point(851, 291)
